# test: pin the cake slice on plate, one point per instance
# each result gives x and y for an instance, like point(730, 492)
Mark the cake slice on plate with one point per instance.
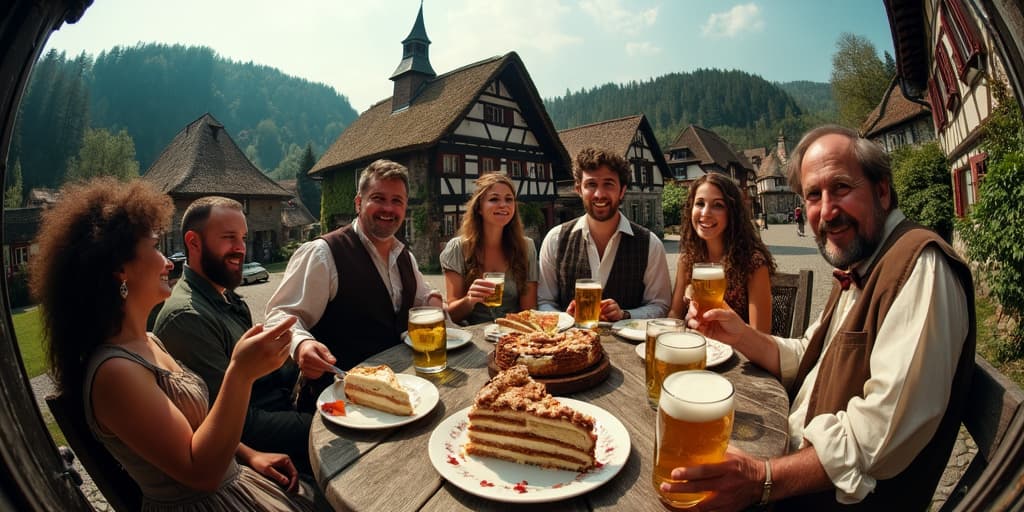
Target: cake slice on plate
point(514, 418)
point(376, 387)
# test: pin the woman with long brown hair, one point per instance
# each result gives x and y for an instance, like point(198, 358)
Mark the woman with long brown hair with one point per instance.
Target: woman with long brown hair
point(490, 239)
point(719, 230)
point(98, 273)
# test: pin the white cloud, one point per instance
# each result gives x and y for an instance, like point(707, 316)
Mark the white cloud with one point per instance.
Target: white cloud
point(613, 17)
point(641, 48)
point(739, 19)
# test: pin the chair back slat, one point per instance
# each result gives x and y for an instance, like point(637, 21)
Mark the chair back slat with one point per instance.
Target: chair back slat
point(791, 303)
point(119, 489)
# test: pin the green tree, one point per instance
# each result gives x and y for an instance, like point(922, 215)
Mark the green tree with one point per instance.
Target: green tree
point(994, 230)
point(859, 78)
point(13, 194)
point(922, 184)
point(673, 198)
point(104, 154)
point(308, 188)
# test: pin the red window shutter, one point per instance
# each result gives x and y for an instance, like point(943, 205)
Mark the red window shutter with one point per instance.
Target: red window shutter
point(965, 29)
point(949, 81)
point(958, 199)
point(938, 109)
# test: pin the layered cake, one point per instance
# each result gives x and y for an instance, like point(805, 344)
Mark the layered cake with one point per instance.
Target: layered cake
point(549, 354)
point(515, 419)
point(376, 387)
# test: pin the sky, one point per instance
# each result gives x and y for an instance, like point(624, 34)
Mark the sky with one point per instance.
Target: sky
point(354, 46)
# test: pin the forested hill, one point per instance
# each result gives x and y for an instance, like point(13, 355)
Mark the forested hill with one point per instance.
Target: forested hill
point(811, 96)
point(745, 109)
point(155, 90)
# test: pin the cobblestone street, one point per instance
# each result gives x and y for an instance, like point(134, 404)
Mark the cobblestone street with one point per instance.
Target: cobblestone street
point(792, 253)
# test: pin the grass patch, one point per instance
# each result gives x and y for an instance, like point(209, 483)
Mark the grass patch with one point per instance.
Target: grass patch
point(277, 266)
point(28, 328)
point(990, 340)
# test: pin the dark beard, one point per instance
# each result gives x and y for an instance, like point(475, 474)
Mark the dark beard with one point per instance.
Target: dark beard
point(859, 249)
point(217, 271)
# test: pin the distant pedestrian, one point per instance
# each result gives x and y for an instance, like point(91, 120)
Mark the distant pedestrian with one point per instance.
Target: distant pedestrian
point(798, 216)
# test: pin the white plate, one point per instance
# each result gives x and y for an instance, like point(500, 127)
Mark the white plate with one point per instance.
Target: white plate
point(631, 329)
point(494, 331)
point(456, 338)
point(718, 352)
point(422, 392)
point(475, 474)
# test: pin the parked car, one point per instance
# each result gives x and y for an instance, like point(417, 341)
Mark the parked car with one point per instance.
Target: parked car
point(178, 259)
point(253, 272)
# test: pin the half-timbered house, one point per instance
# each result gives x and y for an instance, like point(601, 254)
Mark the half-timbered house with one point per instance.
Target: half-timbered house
point(775, 199)
point(897, 122)
point(698, 151)
point(448, 130)
point(203, 160)
point(632, 138)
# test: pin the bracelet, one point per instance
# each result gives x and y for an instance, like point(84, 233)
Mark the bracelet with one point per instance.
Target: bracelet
point(767, 492)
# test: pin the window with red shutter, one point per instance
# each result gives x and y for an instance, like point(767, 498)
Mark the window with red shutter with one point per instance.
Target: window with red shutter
point(963, 36)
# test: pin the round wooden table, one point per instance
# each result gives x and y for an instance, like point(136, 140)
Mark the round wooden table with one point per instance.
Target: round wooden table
point(370, 470)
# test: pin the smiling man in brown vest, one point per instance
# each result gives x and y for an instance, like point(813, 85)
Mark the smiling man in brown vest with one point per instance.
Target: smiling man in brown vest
point(878, 383)
point(352, 288)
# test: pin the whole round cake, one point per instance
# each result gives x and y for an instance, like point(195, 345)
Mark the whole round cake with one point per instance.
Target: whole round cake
point(549, 354)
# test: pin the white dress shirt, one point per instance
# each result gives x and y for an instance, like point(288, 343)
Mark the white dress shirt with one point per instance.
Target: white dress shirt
point(912, 364)
point(657, 285)
point(311, 281)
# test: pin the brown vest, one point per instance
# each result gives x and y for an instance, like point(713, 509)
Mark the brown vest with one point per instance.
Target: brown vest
point(625, 281)
point(361, 321)
point(845, 368)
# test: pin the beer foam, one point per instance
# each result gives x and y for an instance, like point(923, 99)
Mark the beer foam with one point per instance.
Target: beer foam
point(696, 396)
point(708, 273)
point(680, 348)
point(588, 286)
point(426, 317)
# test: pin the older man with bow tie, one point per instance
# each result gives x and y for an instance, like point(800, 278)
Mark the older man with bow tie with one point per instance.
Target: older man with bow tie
point(878, 383)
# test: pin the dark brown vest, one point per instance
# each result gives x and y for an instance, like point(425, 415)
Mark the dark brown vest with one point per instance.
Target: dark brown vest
point(626, 280)
point(360, 321)
point(845, 368)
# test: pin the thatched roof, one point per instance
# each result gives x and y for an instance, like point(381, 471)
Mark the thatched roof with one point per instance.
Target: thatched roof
point(293, 211)
point(708, 148)
point(894, 109)
point(203, 160)
point(615, 135)
point(436, 111)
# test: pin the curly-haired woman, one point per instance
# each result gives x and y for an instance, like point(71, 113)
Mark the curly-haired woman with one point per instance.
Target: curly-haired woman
point(98, 273)
point(720, 231)
point(491, 239)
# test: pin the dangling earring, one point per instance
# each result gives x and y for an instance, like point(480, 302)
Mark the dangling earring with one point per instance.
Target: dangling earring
point(124, 289)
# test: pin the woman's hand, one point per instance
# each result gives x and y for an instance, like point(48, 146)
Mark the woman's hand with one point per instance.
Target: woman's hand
point(262, 350)
point(479, 291)
point(277, 467)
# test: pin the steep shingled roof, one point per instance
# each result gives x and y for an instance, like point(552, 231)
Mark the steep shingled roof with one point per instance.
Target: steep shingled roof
point(894, 109)
point(293, 211)
point(438, 108)
point(708, 147)
point(615, 135)
point(203, 160)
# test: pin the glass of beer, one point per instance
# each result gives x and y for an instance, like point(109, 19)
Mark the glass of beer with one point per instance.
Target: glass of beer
point(708, 281)
point(695, 416)
point(588, 303)
point(429, 339)
point(677, 352)
point(654, 328)
point(498, 278)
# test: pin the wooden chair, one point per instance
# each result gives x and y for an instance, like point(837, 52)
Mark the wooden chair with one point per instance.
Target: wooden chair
point(120, 490)
point(995, 419)
point(791, 303)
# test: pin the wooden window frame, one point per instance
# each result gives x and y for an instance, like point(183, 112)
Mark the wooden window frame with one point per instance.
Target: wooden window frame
point(949, 80)
point(979, 167)
point(515, 168)
point(963, 37)
point(506, 114)
point(460, 164)
point(938, 111)
point(483, 168)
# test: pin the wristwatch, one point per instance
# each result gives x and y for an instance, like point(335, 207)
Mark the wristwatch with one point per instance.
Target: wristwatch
point(626, 315)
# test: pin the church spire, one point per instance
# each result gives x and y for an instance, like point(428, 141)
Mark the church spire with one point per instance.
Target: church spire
point(415, 68)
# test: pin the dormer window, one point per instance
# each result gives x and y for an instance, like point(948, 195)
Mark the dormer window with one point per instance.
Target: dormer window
point(494, 114)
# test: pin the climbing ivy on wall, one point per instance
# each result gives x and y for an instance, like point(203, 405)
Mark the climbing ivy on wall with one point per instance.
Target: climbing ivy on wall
point(339, 194)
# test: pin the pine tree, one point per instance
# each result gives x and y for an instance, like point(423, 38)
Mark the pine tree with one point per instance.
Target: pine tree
point(13, 193)
point(308, 189)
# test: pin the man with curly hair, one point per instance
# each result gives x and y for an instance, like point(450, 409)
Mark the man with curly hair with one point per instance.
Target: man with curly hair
point(626, 258)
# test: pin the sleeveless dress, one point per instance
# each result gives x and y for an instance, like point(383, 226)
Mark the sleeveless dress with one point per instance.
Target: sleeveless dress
point(242, 488)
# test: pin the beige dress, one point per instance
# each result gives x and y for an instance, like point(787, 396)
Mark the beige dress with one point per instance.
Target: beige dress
point(242, 488)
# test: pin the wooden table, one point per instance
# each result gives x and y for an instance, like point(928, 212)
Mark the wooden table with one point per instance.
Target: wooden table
point(370, 470)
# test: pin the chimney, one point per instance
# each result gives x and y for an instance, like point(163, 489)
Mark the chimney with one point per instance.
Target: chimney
point(415, 69)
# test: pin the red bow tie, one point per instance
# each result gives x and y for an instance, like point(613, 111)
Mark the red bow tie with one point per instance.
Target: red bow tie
point(846, 278)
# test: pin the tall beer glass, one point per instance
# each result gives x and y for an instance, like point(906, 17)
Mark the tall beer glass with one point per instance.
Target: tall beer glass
point(677, 352)
point(494, 299)
point(588, 303)
point(654, 328)
point(708, 281)
point(429, 339)
point(695, 415)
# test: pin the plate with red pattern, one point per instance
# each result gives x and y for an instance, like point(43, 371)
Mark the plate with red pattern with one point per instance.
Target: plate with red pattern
point(501, 480)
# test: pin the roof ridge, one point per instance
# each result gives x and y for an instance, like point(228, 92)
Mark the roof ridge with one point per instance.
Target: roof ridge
point(606, 121)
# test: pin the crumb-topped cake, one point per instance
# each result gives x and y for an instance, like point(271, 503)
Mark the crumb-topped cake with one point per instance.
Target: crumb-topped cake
point(549, 354)
point(376, 387)
point(530, 321)
point(514, 418)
